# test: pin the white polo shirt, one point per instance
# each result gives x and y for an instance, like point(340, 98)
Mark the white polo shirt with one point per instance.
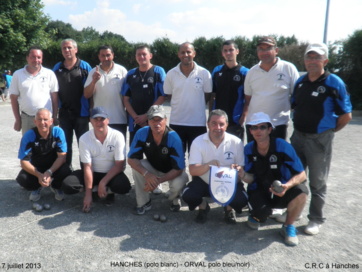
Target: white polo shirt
point(107, 92)
point(231, 150)
point(102, 156)
point(271, 91)
point(34, 91)
point(188, 95)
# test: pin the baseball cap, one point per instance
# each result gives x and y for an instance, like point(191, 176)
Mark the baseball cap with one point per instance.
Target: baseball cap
point(319, 48)
point(99, 112)
point(267, 40)
point(156, 110)
point(258, 118)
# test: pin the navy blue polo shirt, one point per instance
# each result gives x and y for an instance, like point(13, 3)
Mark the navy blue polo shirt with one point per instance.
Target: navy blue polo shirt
point(164, 157)
point(228, 86)
point(280, 163)
point(42, 152)
point(316, 105)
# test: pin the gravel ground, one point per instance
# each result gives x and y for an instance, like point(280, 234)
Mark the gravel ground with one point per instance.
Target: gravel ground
point(113, 239)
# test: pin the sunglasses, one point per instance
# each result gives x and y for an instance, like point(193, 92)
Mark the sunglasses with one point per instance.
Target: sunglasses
point(261, 127)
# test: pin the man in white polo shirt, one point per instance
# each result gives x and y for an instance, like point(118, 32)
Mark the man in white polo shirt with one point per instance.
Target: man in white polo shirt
point(218, 148)
point(104, 84)
point(268, 87)
point(102, 153)
point(187, 84)
point(33, 87)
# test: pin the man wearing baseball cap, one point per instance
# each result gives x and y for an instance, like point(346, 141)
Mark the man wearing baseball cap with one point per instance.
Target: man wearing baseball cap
point(322, 106)
point(164, 160)
point(268, 159)
point(268, 87)
point(102, 153)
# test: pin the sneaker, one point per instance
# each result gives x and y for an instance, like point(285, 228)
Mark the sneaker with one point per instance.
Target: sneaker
point(252, 223)
point(58, 194)
point(158, 190)
point(230, 217)
point(312, 228)
point(202, 215)
point(276, 212)
point(109, 199)
point(289, 233)
point(144, 208)
point(35, 195)
point(282, 217)
point(175, 207)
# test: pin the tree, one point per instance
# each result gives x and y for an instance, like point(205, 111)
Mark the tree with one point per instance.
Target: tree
point(22, 24)
point(349, 61)
point(59, 30)
point(164, 53)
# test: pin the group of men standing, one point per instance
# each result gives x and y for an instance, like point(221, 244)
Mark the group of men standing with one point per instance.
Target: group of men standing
point(260, 99)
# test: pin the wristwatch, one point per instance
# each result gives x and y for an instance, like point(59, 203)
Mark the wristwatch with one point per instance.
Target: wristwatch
point(49, 171)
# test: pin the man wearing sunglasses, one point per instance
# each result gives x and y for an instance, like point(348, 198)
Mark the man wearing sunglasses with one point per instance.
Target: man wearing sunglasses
point(102, 152)
point(268, 159)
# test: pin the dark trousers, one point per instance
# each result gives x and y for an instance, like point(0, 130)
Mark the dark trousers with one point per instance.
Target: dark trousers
point(68, 122)
point(188, 134)
point(278, 132)
point(261, 202)
point(197, 189)
point(75, 183)
point(133, 133)
point(31, 183)
point(237, 130)
point(121, 128)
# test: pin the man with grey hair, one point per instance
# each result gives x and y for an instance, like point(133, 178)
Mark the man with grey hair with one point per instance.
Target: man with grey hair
point(42, 157)
point(218, 148)
point(74, 107)
point(322, 106)
point(164, 160)
point(188, 85)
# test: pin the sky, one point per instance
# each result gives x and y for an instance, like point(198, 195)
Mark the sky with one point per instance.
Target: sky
point(186, 20)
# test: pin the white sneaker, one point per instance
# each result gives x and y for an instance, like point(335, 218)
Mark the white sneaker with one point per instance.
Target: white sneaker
point(282, 217)
point(312, 228)
point(158, 190)
point(276, 212)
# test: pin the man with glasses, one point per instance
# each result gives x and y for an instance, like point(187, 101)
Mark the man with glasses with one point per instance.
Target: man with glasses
point(322, 106)
point(102, 153)
point(268, 159)
point(268, 87)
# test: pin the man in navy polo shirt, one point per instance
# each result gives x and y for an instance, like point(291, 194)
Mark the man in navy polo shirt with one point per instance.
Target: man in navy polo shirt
point(228, 88)
point(164, 160)
point(42, 157)
point(268, 159)
point(73, 106)
point(322, 106)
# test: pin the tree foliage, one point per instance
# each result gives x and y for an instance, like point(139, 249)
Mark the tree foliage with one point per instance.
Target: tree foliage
point(22, 24)
point(349, 61)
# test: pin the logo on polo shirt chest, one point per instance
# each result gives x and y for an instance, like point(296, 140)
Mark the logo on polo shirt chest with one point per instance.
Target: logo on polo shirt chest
point(237, 78)
point(110, 148)
point(164, 151)
point(228, 155)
